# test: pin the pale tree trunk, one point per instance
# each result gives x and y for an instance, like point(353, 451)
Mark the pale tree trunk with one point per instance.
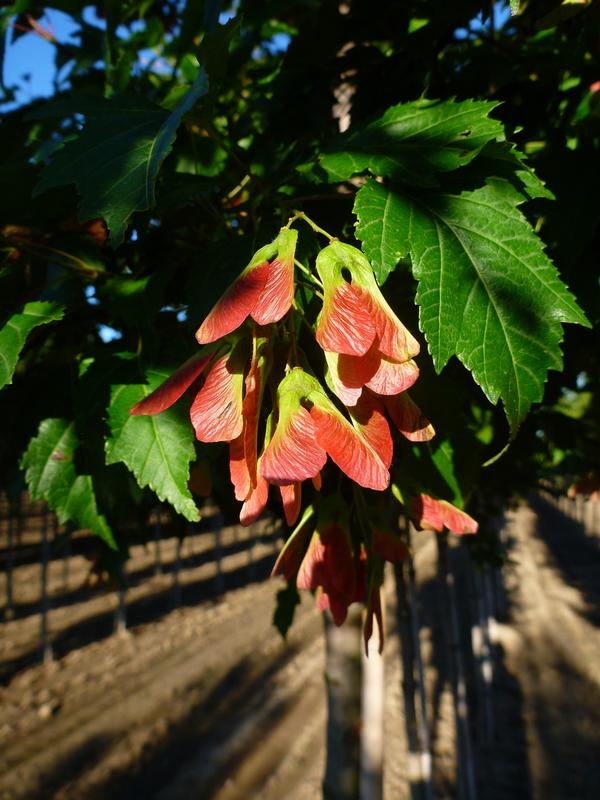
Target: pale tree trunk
point(343, 662)
point(408, 683)
point(371, 743)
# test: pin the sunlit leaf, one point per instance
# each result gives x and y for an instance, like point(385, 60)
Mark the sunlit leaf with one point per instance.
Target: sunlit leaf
point(412, 142)
point(157, 449)
point(487, 291)
point(15, 332)
point(51, 475)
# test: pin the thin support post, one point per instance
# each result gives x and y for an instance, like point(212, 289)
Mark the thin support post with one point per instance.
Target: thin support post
point(176, 586)
point(9, 611)
point(157, 536)
point(120, 623)
point(218, 551)
point(45, 644)
point(373, 707)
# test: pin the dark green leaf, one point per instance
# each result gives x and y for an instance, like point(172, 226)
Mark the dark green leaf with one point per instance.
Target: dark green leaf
point(287, 600)
point(51, 476)
point(218, 264)
point(411, 142)
point(14, 334)
point(487, 291)
point(157, 449)
point(115, 160)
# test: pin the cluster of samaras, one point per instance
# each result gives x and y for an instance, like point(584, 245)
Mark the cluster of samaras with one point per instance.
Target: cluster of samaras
point(368, 359)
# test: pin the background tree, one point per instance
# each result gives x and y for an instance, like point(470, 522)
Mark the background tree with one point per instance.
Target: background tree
point(182, 136)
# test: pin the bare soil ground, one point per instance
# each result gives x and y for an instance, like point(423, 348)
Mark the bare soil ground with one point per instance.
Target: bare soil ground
point(206, 701)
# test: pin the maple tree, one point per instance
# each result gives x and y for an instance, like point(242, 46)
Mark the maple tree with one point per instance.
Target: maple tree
point(447, 184)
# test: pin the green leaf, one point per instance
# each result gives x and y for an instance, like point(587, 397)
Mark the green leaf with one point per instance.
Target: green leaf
point(487, 291)
point(378, 212)
point(379, 227)
point(442, 456)
point(14, 334)
point(413, 141)
point(287, 600)
point(215, 267)
point(505, 160)
point(115, 160)
point(51, 476)
point(157, 449)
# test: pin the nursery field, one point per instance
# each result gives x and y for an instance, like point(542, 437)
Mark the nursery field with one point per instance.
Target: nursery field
point(199, 698)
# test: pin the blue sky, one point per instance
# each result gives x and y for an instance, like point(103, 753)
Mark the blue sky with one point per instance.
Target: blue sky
point(29, 61)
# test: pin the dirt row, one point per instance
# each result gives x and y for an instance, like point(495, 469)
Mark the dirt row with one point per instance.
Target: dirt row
point(207, 701)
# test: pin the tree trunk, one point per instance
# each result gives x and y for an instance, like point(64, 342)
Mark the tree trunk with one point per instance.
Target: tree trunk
point(480, 643)
point(343, 653)
point(371, 743)
point(408, 682)
point(467, 788)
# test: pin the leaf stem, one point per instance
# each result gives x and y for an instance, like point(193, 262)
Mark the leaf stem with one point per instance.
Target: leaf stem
point(308, 273)
point(316, 228)
point(293, 351)
point(67, 259)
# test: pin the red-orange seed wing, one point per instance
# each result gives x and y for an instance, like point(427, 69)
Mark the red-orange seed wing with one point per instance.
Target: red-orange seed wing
point(256, 502)
point(389, 545)
point(395, 340)
point(216, 413)
point(409, 419)
point(172, 389)
point(393, 377)
point(291, 496)
point(350, 450)
point(345, 325)
point(310, 574)
point(369, 417)
point(238, 469)
point(439, 514)
point(349, 374)
point(276, 297)
point(235, 305)
point(293, 454)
